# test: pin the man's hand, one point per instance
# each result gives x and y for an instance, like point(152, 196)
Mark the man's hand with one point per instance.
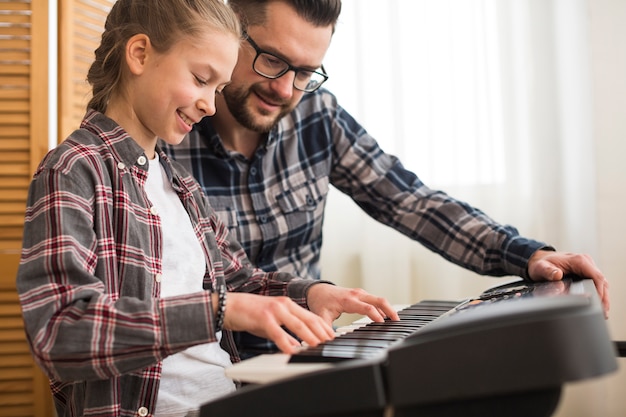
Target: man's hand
point(264, 316)
point(330, 301)
point(552, 266)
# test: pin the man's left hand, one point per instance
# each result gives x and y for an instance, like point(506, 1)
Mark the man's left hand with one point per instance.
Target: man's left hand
point(552, 266)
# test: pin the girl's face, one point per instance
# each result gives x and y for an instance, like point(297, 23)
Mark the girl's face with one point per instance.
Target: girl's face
point(169, 92)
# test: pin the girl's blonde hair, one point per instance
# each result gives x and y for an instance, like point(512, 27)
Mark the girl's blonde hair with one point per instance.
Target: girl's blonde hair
point(164, 21)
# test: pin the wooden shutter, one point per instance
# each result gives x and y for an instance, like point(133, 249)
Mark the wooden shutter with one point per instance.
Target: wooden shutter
point(81, 23)
point(23, 142)
point(24, 116)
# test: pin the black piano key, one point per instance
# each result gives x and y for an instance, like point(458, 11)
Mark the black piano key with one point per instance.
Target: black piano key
point(340, 341)
point(386, 329)
point(375, 337)
point(400, 323)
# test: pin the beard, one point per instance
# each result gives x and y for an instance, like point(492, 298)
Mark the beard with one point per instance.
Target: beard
point(237, 99)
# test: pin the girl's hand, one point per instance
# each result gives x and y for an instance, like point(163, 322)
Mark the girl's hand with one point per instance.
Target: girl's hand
point(264, 316)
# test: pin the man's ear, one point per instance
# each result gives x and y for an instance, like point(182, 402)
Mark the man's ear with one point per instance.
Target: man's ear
point(137, 49)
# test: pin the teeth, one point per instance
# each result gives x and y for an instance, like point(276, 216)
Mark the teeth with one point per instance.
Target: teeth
point(185, 119)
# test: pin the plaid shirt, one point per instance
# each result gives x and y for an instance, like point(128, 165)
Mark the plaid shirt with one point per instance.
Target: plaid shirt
point(90, 270)
point(274, 202)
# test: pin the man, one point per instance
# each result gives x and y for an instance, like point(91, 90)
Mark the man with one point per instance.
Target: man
point(277, 141)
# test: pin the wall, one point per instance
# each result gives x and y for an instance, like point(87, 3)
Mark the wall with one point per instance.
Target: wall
point(608, 46)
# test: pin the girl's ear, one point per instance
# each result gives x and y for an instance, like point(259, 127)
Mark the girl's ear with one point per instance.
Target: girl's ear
point(137, 49)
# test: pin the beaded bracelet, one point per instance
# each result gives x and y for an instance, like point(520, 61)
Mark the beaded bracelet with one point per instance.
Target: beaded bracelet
point(221, 308)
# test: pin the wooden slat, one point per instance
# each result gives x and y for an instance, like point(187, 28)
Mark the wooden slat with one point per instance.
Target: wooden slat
point(16, 18)
point(11, 235)
point(9, 247)
point(15, 106)
point(15, 31)
point(12, 219)
point(6, 157)
point(14, 93)
point(11, 347)
point(18, 411)
point(13, 332)
point(12, 335)
point(16, 373)
point(14, 83)
point(16, 386)
point(10, 194)
point(8, 297)
point(13, 207)
point(14, 119)
point(16, 6)
point(14, 169)
point(15, 43)
point(13, 68)
point(14, 187)
point(14, 55)
point(16, 398)
point(11, 314)
point(11, 134)
point(15, 361)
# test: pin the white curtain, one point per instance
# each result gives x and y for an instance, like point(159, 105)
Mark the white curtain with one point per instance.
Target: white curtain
point(488, 100)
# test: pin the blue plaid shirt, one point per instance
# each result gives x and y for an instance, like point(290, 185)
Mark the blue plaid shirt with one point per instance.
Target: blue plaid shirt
point(274, 202)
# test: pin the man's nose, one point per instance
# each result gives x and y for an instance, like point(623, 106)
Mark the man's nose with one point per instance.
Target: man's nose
point(283, 85)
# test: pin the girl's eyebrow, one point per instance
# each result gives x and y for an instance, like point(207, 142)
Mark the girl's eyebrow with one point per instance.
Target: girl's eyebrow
point(221, 87)
point(210, 71)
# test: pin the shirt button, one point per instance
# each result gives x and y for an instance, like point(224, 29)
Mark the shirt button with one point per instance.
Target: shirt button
point(143, 411)
point(262, 219)
point(121, 165)
point(142, 160)
point(157, 277)
point(253, 171)
point(154, 210)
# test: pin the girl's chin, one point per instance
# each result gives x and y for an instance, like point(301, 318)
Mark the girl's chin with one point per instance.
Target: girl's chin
point(173, 139)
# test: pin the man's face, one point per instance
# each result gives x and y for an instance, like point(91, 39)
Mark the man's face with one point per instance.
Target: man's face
point(258, 103)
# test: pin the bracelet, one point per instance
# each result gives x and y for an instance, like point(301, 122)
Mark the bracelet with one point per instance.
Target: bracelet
point(221, 308)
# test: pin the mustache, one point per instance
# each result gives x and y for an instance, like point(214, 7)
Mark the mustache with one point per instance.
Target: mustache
point(268, 96)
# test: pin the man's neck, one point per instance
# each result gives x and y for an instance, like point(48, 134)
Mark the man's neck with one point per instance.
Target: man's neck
point(236, 137)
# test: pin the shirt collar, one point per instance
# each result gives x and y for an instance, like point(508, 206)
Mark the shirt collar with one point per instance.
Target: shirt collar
point(123, 147)
point(213, 141)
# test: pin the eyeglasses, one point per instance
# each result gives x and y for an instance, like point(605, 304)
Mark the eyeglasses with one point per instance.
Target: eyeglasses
point(272, 67)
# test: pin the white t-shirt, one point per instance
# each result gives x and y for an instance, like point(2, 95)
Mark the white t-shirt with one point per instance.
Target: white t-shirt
point(196, 375)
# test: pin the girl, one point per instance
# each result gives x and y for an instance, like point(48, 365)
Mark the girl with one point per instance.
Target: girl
point(124, 266)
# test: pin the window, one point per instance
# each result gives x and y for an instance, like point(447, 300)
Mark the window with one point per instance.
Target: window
point(423, 77)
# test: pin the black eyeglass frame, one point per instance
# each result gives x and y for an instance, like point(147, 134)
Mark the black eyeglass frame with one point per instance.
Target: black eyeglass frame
point(288, 67)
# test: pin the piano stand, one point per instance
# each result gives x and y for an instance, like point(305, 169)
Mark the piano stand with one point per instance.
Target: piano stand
point(542, 403)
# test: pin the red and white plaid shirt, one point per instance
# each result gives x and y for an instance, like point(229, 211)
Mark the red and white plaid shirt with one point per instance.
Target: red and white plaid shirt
point(90, 269)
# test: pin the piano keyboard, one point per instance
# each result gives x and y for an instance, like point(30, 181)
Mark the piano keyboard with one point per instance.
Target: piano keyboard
point(506, 352)
point(372, 338)
point(353, 341)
